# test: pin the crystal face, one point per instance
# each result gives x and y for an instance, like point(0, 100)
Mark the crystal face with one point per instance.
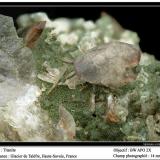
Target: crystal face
point(111, 64)
point(76, 80)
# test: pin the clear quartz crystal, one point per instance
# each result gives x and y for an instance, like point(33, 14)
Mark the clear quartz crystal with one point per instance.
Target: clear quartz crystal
point(21, 117)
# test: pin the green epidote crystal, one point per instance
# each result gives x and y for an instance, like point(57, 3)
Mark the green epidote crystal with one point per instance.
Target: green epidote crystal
point(135, 105)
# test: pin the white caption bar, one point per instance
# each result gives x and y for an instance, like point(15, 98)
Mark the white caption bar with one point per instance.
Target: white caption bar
point(78, 153)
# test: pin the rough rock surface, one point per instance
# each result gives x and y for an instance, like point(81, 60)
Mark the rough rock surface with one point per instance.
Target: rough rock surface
point(21, 118)
point(43, 99)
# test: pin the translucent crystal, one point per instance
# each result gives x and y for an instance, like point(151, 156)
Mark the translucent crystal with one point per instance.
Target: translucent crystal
point(117, 98)
point(22, 119)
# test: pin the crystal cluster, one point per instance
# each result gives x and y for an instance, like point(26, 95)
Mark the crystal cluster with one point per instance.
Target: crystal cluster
point(22, 118)
point(76, 80)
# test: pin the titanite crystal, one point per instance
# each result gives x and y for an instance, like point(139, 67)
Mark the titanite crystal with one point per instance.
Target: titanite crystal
point(111, 64)
point(78, 80)
point(114, 93)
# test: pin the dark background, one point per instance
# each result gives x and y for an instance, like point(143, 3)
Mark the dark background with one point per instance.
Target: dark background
point(142, 19)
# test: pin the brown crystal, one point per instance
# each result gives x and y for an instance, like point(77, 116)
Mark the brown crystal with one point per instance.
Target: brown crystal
point(112, 64)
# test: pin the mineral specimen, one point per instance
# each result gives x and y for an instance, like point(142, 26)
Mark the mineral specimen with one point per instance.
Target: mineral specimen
point(21, 117)
point(34, 33)
point(112, 64)
point(66, 124)
point(76, 80)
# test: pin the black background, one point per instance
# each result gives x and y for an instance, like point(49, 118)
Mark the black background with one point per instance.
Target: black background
point(143, 19)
